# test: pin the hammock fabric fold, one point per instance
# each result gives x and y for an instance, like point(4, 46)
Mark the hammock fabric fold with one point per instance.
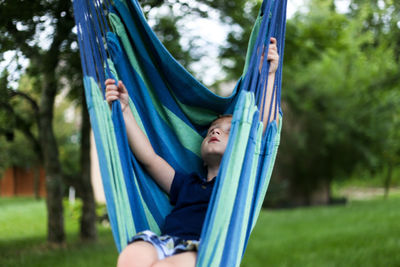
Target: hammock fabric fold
point(174, 110)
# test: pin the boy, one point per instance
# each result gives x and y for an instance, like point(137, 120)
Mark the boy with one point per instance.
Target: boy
point(189, 194)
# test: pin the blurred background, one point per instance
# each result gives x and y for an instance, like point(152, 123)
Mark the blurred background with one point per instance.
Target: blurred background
point(334, 195)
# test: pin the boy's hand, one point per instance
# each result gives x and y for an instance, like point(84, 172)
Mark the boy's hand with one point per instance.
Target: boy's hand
point(272, 56)
point(113, 93)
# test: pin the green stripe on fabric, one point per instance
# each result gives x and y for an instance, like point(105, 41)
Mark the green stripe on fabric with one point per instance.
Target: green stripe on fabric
point(149, 217)
point(97, 100)
point(250, 193)
point(252, 41)
point(187, 136)
point(104, 139)
point(197, 115)
point(122, 207)
point(105, 129)
point(228, 189)
point(270, 167)
point(119, 29)
point(112, 68)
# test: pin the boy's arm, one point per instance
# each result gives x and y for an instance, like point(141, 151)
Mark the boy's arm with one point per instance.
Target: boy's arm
point(268, 103)
point(157, 167)
point(273, 57)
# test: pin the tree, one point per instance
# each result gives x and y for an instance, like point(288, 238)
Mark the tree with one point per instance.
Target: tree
point(337, 87)
point(20, 30)
point(381, 19)
point(241, 16)
point(167, 15)
point(80, 176)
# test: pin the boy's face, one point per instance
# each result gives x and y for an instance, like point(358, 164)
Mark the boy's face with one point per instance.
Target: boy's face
point(214, 144)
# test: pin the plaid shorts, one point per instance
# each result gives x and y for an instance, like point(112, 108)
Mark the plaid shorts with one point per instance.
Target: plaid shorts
point(167, 245)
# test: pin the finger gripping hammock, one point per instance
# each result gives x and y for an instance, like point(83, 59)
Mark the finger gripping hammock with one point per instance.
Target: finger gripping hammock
point(174, 110)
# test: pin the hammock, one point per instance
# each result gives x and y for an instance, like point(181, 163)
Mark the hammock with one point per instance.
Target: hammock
point(174, 110)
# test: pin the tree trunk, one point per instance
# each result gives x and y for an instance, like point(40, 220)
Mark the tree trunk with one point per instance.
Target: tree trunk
point(88, 219)
point(48, 64)
point(36, 181)
point(55, 218)
point(317, 192)
point(321, 194)
point(388, 180)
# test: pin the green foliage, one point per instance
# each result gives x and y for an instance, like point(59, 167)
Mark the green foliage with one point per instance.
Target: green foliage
point(341, 97)
point(167, 32)
point(16, 127)
point(23, 31)
point(169, 24)
point(21, 122)
point(16, 153)
point(240, 15)
point(66, 123)
point(74, 210)
point(363, 178)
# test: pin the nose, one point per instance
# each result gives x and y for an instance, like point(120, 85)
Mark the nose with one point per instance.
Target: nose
point(216, 131)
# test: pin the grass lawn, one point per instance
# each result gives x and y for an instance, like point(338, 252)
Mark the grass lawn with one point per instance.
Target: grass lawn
point(23, 239)
point(361, 233)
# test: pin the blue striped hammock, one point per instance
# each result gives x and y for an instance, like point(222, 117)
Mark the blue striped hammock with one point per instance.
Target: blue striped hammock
point(174, 110)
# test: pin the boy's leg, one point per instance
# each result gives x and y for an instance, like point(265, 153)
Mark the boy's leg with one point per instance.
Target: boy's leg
point(138, 254)
point(184, 259)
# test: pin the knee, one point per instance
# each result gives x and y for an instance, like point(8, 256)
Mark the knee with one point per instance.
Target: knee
point(137, 256)
point(126, 259)
point(162, 264)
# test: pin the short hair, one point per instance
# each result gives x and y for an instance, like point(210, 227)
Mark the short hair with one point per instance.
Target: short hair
point(222, 116)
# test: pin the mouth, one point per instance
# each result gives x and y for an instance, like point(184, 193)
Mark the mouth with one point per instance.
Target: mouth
point(213, 139)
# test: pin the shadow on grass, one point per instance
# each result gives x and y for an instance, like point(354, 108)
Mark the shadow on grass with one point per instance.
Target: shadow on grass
point(36, 251)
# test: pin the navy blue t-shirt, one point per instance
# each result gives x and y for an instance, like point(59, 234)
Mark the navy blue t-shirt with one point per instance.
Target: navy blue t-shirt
point(190, 194)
